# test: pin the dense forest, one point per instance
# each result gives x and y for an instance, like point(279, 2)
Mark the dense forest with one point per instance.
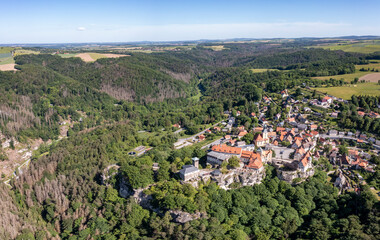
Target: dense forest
point(112, 103)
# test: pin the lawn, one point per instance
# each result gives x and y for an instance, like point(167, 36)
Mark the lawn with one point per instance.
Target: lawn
point(346, 92)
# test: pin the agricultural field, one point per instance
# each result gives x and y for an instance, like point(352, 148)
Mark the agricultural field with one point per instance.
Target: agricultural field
point(6, 57)
point(216, 47)
point(347, 77)
point(371, 77)
point(24, 51)
point(261, 70)
point(6, 49)
point(345, 92)
point(7, 62)
point(358, 74)
point(374, 64)
point(368, 46)
point(91, 57)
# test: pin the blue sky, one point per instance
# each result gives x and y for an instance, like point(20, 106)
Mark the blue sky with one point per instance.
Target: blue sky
point(56, 21)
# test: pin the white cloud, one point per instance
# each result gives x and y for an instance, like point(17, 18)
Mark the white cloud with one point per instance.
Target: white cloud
point(81, 29)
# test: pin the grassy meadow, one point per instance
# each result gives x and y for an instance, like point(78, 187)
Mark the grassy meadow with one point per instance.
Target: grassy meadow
point(367, 46)
point(345, 92)
point(375, 64)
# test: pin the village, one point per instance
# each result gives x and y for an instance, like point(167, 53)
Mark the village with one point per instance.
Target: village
point(293, 146)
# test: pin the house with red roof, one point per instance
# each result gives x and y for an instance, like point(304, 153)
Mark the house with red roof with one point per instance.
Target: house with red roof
point(327, 100)
point(284, 93)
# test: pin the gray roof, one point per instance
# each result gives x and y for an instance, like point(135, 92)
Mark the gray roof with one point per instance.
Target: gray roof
point(221, 156)
point(216, 172)
point(186, 169)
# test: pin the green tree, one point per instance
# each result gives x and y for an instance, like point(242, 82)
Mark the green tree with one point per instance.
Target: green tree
point(233, 162)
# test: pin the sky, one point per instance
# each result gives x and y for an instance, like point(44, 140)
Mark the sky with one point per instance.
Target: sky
point(77, 21)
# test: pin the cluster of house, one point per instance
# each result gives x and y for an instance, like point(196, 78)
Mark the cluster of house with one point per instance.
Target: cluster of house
point(371, 114)
point(353, 159)
point(299, 141)
point(303, 142)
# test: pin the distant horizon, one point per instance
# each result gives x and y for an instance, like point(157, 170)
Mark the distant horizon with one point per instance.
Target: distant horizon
point(205, 40)
point(42, 21)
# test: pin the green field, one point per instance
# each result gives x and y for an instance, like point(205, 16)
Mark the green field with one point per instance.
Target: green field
point(24, 52)
point(7, 60)
point(96, 56)
point(216, 47)
point(260, 70)
point(6, 49)
point(347, 77)
point(374, 64)
point(346, 92)
point(368, 46)
point(68, 55)
point(6, 57)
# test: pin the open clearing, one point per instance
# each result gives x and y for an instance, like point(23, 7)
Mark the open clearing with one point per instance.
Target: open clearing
point(345, 92)
point(216, 47)
point(91, 57)
point(372, 77)
point(7, 67)
point(260, 70)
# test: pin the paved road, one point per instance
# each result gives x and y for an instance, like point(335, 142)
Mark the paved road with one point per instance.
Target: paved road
point(347, 137)
point(216, 142)
point(180, 143)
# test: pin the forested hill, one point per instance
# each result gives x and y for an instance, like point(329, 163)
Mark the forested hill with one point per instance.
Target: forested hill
point(140, 78)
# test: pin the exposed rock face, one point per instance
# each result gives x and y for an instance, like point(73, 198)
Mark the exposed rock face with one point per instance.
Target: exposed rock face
point(183, 217)
point(290, 175)
point(124, 189)
point(250, 178)
point(243, 176)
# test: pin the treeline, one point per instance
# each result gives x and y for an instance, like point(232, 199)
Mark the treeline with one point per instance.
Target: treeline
point(300, 57)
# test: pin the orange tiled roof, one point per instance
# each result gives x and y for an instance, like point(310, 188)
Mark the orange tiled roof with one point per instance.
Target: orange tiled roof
point(314, 133)
point(226, 149)
point(304, 161)
point(241, 134)
point(255, 164)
